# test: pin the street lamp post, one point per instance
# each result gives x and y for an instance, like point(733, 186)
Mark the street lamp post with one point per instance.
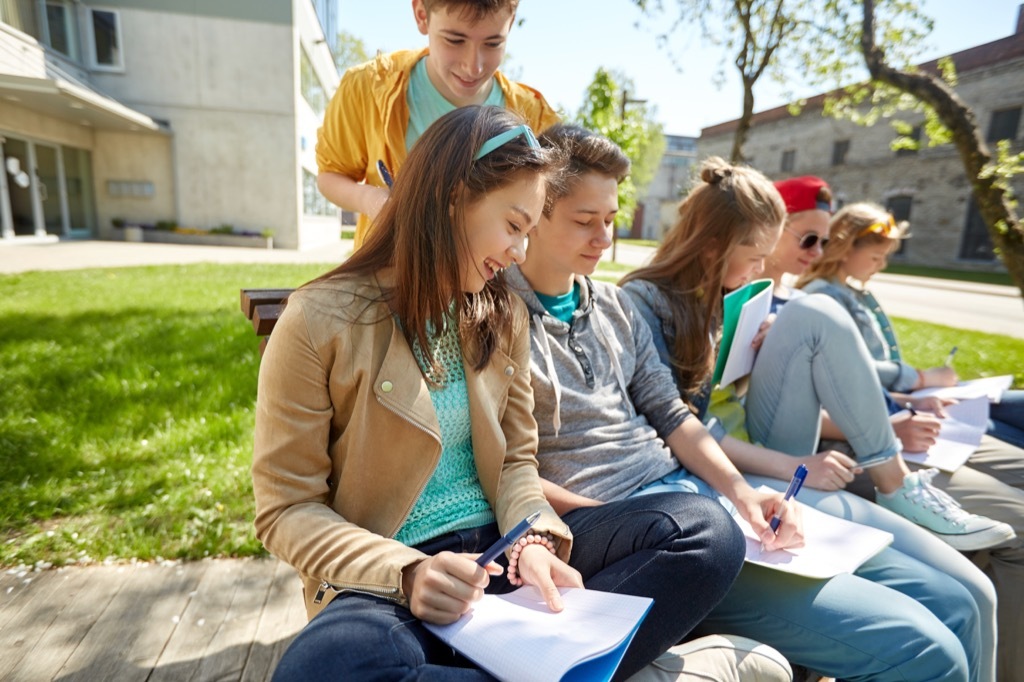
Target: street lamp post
point(622, 124)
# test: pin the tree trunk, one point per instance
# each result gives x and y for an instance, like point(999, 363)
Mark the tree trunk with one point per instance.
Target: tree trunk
point(993, 202)
point(743, 126)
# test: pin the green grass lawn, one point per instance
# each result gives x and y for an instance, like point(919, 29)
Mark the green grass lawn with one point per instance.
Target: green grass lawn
point(127, 411)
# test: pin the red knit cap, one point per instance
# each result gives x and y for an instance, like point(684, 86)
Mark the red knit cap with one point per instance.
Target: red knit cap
point(801, 194)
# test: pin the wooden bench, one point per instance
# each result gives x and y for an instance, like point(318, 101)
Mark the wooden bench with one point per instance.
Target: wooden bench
point(262, 307)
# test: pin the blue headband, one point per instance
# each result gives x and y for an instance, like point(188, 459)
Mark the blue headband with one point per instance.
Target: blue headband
point(506, 137)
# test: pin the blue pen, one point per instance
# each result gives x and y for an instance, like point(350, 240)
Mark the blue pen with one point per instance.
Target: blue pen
point(791, 491)
point(949, 358)
point(508, 539)
point(385, 173)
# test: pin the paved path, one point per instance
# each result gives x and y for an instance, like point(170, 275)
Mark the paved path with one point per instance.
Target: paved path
point(205, 620)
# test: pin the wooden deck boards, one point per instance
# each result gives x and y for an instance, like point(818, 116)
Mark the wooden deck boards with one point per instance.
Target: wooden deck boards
point(206, 620)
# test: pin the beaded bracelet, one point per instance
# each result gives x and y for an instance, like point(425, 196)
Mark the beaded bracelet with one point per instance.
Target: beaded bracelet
point(543, 539)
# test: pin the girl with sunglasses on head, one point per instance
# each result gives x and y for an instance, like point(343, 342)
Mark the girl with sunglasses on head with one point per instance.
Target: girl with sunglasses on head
point(728, 225)
point(991, 483)
point(394, 436)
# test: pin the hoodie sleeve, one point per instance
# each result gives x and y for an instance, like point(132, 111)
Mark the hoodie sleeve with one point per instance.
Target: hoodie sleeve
point(652, 386)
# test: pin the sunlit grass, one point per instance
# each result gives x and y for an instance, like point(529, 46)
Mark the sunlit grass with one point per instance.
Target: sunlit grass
point(127, 412)
point(127, 408)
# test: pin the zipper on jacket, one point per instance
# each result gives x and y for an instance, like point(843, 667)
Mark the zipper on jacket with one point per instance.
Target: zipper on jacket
point(376, 591)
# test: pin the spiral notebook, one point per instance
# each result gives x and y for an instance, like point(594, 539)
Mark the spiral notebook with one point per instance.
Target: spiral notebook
point(515, 636)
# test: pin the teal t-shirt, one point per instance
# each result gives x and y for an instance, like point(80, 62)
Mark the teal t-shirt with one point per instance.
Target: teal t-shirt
point(426, 104)
point(561, 307)
point(453, 498)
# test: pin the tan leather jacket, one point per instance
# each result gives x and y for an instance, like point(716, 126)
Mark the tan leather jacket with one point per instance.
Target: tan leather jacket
point(347, 438)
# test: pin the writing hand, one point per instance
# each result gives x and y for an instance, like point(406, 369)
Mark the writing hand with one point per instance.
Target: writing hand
point(933, 403)
point(759, 508)
point(830, 470)
point(917, 432)
point(938, 376)
point(542, 569)
point(442, 587)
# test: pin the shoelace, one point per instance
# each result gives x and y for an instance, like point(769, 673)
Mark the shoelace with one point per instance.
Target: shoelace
point(935, 500)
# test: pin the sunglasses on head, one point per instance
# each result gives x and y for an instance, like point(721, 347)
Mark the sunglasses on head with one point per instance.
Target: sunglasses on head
point(885, 228)
point(807, 241)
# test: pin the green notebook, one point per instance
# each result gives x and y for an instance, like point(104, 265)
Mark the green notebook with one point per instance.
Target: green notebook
point(743, 311)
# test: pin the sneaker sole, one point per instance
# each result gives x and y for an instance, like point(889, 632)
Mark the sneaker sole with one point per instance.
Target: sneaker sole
point(982, 539)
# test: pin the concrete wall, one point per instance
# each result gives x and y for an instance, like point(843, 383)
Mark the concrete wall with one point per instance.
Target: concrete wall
point(133, 157)
point(933, 177)
point(227, 88)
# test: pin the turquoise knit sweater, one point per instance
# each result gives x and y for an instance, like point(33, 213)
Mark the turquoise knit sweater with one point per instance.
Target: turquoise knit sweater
point(452, 499)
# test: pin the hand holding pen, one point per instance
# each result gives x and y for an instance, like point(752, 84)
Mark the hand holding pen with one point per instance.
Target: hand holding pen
point(795, 484)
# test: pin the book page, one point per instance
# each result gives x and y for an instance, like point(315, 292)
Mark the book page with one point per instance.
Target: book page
point(743, 311)
point(959, 436)
point(515, 636)
point(831, 545)
point(991, 387)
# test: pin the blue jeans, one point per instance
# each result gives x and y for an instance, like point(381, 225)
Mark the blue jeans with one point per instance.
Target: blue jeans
point(684, 551)
point(814, 357)
point(896, 618)
point(1006, 418)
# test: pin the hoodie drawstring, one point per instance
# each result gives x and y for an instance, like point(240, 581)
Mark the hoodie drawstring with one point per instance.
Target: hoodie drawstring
point(549, 365)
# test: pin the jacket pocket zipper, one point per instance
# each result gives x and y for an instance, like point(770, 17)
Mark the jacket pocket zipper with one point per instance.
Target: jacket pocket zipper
point(386, 592)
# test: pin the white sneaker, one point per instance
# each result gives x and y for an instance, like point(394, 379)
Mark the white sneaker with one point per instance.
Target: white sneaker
point(924, 504)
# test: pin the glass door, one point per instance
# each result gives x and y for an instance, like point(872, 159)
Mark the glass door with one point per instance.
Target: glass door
point(18, 177)
point(49, 188)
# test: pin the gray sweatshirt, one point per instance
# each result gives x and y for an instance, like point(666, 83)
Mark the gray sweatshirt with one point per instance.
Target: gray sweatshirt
point(602, 395)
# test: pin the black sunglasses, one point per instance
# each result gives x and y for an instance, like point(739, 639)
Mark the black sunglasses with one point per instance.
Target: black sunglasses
point(807, 241)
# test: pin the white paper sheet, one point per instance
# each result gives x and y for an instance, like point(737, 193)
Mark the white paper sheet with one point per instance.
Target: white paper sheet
point(991, 387)
point(741, 356)
point(515, 636)
point(831, 546)
point(959, 436)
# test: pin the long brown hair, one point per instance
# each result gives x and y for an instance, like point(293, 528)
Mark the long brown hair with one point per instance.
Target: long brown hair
point(729, 207)
point(846, 232)
point(416, 233)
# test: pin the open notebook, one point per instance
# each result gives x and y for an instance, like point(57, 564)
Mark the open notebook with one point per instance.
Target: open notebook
point(515, 636)
point(831, 545)
point(960, 435)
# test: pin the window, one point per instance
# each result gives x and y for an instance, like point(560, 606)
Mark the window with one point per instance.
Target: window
point(915, 135)
point(312, 90)
point(61, 20)
point(899, 207)
point(839, 150)
point(976, 243)
point(788, 160)
point(1004, 125)
point(106, 49)
point(314, 203)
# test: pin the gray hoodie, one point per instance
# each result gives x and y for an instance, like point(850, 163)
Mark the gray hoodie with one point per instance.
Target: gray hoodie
point(602, 395)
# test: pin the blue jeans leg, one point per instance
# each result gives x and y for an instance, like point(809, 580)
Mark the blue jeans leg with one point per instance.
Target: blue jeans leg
point(682, 550)
point(814, 357)
point(918, 544)
point(362, 637)
point(868, 626)
point(1006, 418)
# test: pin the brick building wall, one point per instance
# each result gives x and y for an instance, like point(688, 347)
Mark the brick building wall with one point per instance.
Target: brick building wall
point(927, 187)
